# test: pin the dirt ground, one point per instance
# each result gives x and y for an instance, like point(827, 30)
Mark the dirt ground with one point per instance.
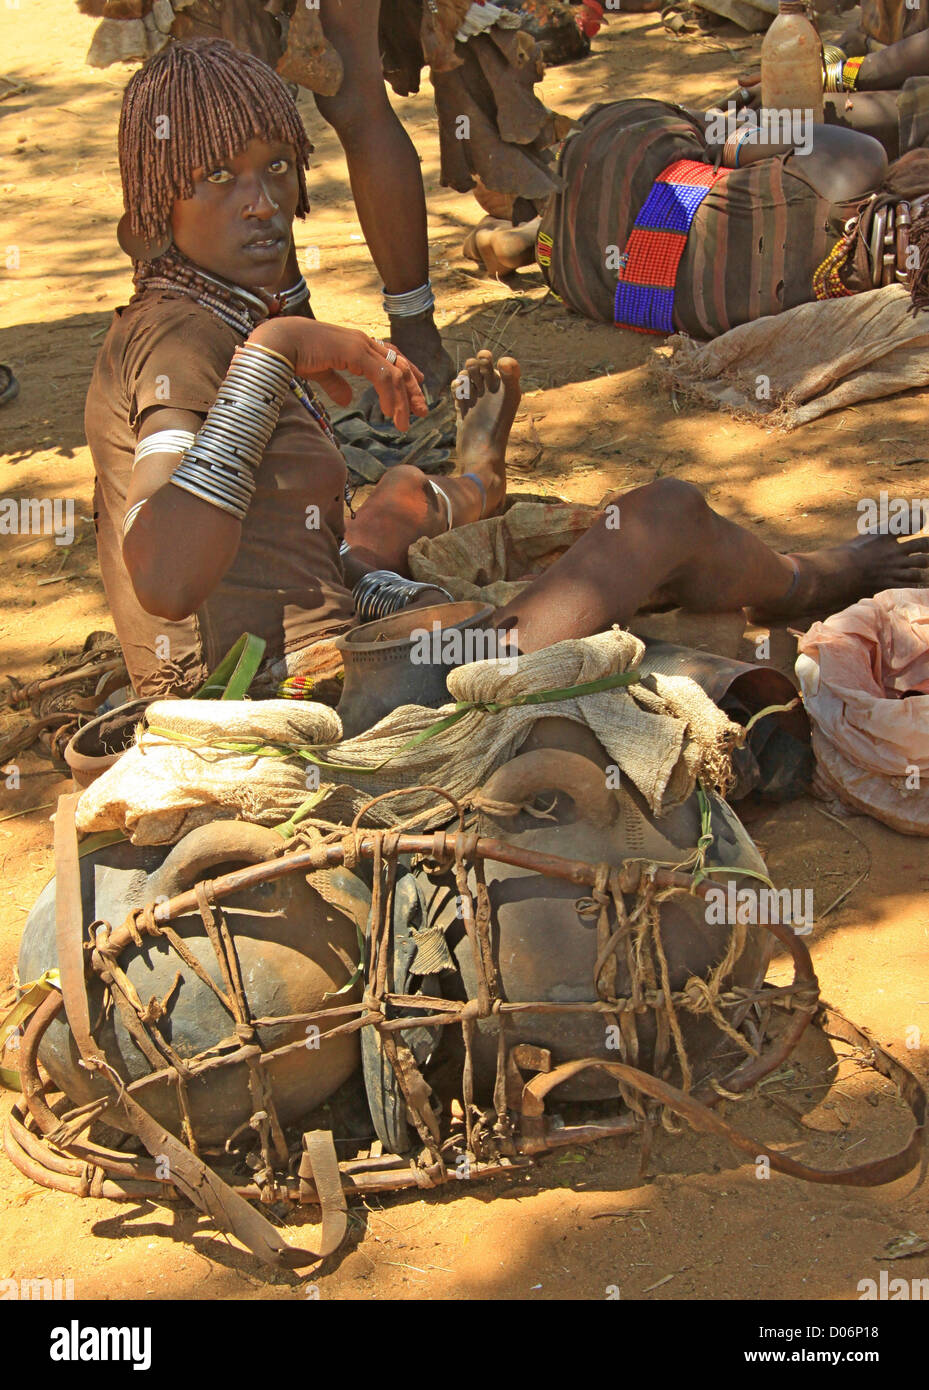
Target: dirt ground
point(701, 1225)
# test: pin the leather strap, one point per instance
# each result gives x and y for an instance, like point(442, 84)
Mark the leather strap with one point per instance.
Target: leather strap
point(69, 930)
point(320, 1163)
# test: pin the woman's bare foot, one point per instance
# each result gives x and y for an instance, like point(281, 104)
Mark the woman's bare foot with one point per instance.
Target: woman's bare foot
point(487, 395)
point(500, 247)
point(829, 580)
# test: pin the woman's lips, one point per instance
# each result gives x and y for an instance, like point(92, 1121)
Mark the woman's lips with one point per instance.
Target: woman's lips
point(266, 249)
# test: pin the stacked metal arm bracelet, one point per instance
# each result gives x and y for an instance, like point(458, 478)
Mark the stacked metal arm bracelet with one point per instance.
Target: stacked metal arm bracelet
point(219, 467)
point(382, 592)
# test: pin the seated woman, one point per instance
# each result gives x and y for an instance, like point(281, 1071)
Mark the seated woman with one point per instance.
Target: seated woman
point(220, 492)
point(665, 225)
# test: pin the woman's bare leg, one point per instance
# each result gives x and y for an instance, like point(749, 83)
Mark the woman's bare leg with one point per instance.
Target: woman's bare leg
point(405, 506)
point(664, 539)
point(500, 247)
point(387, 183)
point(660, 539)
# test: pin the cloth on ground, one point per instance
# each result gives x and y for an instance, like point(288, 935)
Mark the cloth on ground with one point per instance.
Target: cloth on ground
point(877, 347)
point(865, 679)
point(663, 736)
point(490, 560)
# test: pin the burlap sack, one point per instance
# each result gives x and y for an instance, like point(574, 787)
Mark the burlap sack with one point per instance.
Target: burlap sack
point(663, 736)
point(489, 560)
point(774, 370)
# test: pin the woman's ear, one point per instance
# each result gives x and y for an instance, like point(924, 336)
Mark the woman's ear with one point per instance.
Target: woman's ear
point(138, 248)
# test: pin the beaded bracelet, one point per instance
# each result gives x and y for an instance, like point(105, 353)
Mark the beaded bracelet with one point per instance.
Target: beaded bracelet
point(851, 71)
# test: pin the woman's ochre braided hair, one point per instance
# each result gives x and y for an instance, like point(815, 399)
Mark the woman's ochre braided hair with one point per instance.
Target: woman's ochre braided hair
point(195, 104)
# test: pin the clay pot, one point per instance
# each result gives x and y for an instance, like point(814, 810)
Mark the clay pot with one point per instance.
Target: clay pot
point(546, 948)
point(99, 743)
point(385, 665)
point(295, 951)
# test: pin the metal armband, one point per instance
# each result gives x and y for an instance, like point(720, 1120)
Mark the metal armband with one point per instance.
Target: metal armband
point(220, 465)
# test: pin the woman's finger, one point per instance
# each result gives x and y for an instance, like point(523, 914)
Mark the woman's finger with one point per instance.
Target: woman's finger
point(390, 347)
point(398, 384)
point(388, 382)
point(412, 376)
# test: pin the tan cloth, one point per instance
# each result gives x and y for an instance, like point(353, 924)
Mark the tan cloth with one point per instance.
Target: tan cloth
point(286, 582)
point(662, 737)
point(774, 371)
point(865, 679)
point(489, 560)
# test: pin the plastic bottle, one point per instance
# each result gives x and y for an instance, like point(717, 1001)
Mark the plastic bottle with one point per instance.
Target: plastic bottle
point(791, 62)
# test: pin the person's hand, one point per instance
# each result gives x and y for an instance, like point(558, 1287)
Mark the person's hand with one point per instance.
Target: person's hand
point(321, 351)
point(748, 93)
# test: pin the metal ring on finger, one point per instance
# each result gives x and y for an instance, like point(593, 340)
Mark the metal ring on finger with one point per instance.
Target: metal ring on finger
point(392, 355)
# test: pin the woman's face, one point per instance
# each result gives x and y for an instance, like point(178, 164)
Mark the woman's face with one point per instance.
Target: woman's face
point(238, 222)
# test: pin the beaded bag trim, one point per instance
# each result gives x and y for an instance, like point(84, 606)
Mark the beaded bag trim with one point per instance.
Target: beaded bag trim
point(648, 275)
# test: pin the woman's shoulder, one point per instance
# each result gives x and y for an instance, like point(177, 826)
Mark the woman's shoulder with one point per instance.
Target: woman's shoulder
point(166, 347)
point(159, 315)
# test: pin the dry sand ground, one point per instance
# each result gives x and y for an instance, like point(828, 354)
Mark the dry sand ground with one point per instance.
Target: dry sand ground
point(704, 1226)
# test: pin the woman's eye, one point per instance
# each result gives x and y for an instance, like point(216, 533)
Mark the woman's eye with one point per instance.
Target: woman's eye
point(279, 166)
point(218, 176)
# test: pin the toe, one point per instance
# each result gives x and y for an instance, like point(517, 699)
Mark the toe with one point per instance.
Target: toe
point(510, 370)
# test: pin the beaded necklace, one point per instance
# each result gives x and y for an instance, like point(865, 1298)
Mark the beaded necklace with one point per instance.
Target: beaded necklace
point(237, 307)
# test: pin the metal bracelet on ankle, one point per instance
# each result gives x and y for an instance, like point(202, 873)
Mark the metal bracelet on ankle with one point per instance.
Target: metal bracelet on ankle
point(412, 305)
point(379, 593)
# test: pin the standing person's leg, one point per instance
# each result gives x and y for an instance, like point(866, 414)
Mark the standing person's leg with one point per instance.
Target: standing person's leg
point(386, 179)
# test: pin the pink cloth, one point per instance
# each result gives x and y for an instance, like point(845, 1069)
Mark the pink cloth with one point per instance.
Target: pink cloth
point(871, 743)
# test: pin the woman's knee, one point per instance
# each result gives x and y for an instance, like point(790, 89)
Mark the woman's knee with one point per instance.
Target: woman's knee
point(356, 108)
point(671, 500)
point(405, 485)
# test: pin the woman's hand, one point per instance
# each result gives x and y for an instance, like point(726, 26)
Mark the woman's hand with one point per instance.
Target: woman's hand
point(320, 351)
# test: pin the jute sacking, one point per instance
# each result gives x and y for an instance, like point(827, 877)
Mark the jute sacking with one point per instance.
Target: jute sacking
point(188, 766)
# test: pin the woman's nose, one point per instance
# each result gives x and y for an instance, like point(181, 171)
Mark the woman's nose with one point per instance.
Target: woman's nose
point(259, 203)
